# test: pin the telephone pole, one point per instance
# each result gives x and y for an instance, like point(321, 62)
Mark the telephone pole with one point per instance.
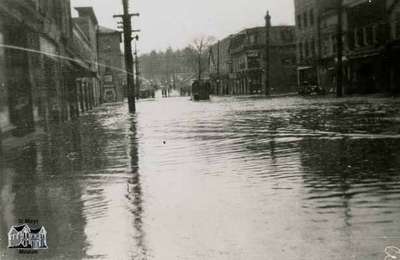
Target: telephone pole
point(127, 31)
point(339, 36)
point(137, 68)
point(267, 54)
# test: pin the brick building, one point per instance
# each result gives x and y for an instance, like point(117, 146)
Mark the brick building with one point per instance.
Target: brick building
point(372, 45)
point(111, 68)
point(89, 83)
point(316, 22)
point(237, 63)
point(220, 66)
point(39, 65)
point(370, 33)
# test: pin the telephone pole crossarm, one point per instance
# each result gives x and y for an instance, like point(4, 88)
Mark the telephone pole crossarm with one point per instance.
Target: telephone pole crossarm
point(126, 25)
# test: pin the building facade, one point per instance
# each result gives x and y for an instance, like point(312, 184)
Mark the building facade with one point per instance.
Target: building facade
point(39, 65)
point(111, 65)
point(87, 46)
point(369, 38)
point(238, 64)
point(220, 67)
point(316, 23)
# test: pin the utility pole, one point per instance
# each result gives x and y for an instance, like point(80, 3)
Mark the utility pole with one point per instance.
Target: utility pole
point(137, 68)
point(267, 54)
point(218, 68)
point(339, 36)
point(127, 30)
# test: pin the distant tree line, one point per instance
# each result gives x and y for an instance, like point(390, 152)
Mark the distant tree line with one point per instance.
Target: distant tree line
point(177, 68)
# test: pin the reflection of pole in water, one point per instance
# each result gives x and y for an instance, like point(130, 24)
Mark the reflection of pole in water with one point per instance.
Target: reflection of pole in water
point(273, 126)
point(135, 194)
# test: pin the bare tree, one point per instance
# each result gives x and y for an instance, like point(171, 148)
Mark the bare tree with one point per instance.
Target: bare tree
point(199, 47)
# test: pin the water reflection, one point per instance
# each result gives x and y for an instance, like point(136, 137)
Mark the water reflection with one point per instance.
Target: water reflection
point(135, 196)
point(227, 179)
point(34, 186)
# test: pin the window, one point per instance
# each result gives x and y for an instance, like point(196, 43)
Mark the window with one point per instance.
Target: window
point(334, 44)
point(301, 51)
point(299, 21)
point(108, 78)
point(313, 49)
point(397, 29)
point(252, 39)
point(369, 35)
point(351, 40)
point(1, 42)
point(305, 17)
point(306, 50)
point(360, 37)
point(397, 26)
point(312, 17)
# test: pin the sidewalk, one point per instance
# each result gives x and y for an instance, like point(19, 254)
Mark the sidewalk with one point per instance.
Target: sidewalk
point(8, 141)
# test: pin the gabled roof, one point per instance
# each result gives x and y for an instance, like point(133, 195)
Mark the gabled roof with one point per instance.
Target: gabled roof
point(36, 230)
point(87, 11)
point(105, 30)
point(20, 227)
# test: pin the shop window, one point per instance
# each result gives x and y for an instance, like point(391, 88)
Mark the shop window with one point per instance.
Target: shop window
point(381, 33)
point(360, 37)
point(351, 40)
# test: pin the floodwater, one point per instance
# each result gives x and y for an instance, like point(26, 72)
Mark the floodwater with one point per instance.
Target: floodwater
point(234, 178)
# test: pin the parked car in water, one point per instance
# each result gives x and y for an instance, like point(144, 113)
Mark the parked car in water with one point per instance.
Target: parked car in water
point(201, 90)
point(307, 88)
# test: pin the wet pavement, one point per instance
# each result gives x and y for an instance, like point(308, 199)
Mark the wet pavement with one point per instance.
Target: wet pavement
point(234, 178)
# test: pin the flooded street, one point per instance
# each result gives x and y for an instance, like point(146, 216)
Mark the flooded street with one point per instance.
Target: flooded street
point(234, 178)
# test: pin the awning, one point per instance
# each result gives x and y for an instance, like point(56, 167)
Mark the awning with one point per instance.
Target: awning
point(301, 68)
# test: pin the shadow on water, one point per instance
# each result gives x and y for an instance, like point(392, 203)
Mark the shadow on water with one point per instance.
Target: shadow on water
point(64, 180)
point(317, 177)
point(36, 183)
point(135, 194)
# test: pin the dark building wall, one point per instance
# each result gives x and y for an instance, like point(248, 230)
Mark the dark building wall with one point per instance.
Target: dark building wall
point(220, 66)
point(248, 56)
point(367, 35)
point(4, 110)
point(111, 64)
point(37, 81)
point(17, 105)
point(368, 26)
point(88, 23)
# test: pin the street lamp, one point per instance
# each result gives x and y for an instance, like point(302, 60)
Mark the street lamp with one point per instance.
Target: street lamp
point(339, 38)
point(267, 53)
point(136, 38)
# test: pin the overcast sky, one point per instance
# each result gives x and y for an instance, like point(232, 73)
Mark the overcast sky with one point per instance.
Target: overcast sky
point(176, 23)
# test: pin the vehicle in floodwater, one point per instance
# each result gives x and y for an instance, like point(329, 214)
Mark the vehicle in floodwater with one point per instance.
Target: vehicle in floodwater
point(201, 90)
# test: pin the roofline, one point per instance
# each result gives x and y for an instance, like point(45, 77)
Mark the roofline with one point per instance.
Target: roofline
point(89, 10)
point(111, 31)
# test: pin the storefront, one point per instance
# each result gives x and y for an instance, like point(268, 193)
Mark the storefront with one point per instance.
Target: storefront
point(16, 81)
point(4, 111)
